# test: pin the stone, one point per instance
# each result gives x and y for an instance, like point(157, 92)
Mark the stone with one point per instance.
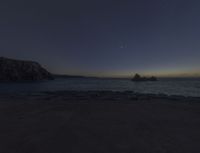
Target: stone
point(138, 78)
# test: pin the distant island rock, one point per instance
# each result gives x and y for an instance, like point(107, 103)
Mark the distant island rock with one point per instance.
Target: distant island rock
point(138, 78)
point(19, 70)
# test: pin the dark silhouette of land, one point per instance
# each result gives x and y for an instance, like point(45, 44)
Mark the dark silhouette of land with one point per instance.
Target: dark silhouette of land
point(12, 70)
point(20, 70)
point(138, 78)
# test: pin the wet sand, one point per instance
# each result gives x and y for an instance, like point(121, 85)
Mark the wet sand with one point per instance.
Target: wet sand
point(99, 122)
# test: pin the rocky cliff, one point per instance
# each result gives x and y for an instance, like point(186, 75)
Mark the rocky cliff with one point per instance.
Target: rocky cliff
point(18, 70)
point(138, 78)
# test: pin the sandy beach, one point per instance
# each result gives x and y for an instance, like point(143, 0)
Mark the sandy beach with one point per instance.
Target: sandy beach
point(99, 122)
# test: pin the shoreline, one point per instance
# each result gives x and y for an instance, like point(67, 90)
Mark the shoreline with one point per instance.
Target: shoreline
point(101, 93)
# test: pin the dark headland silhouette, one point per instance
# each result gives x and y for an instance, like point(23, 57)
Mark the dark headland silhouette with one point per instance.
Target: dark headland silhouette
point(138, 78)
point(19, 70)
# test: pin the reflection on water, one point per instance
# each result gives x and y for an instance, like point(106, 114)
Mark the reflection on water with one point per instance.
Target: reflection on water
point(186, 87)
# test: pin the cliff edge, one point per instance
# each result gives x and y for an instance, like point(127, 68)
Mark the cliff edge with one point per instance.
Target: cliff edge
point(19, 70)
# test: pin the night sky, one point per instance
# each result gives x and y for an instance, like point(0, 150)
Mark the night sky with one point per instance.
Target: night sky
point(104, 37)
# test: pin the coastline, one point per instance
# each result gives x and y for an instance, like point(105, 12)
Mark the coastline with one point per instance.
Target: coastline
point(99, 121)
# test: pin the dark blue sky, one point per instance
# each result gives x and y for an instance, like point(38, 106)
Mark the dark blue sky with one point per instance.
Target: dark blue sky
point(104, 37)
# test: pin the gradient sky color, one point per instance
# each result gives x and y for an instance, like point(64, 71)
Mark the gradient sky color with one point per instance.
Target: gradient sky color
point(104, 37)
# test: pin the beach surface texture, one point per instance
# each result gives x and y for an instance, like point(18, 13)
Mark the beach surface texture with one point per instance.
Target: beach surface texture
point(99, 122)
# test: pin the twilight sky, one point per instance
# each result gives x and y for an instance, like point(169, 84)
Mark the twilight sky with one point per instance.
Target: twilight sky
point(104, 37)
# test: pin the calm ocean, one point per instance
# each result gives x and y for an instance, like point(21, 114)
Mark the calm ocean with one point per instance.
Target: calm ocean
point(181, 86)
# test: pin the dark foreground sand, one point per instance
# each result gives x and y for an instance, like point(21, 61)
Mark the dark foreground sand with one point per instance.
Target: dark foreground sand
point(99, 122)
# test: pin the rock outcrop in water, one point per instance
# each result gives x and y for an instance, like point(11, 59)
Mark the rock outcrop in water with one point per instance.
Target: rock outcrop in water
point(138, 78)
point(18, 70)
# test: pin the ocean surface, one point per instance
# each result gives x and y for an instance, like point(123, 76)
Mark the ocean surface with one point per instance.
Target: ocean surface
point(181, 86)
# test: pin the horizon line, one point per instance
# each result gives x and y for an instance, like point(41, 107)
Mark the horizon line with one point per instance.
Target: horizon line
point(125, 76)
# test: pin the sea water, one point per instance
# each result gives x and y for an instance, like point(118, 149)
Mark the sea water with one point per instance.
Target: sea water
point(169, 86)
